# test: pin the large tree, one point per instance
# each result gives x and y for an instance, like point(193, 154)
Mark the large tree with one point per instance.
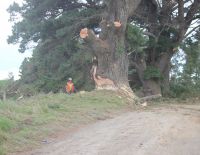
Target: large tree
point(111, 69)
point(51, 29)
point(49, 21)
point(167, 23)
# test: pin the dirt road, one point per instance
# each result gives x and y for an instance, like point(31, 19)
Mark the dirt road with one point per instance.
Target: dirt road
point(174, 130)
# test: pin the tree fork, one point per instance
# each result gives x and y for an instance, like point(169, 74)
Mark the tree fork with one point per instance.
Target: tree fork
point(109, 48)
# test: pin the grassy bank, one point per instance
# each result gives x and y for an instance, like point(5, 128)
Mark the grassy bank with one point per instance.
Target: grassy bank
point(24, 124)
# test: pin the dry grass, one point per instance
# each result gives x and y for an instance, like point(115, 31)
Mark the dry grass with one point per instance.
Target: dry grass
point(24, 124)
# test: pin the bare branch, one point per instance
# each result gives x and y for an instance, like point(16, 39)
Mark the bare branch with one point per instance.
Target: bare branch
point(191, 13)
point(193, 29)
point(158, 3)
point(149, 34)
point(181, 11)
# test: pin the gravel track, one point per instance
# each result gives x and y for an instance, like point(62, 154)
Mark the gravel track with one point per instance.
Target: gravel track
point(172, 130)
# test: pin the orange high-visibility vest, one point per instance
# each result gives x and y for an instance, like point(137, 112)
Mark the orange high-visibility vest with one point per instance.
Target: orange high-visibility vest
point(70, 87)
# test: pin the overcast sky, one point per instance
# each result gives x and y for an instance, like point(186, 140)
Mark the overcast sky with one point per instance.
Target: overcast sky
point(10, 58)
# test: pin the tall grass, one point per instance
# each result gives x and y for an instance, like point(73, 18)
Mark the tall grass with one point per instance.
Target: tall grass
point(25, 123)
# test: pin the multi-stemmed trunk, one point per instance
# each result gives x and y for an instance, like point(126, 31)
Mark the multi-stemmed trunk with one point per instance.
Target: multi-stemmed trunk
point(161, 85)
point(155, 85)
point(166, 32)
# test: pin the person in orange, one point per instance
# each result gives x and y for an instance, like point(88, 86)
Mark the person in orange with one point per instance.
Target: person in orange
point(70, 86)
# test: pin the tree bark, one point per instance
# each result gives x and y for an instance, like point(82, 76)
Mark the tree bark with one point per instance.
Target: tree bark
point(154, 86)
point(164, 65)
point(151, 87)
point(160, 86)
point(165, 83)
point(109, 48)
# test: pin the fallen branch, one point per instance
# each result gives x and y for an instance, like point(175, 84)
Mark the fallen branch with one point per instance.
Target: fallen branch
point(146, 98)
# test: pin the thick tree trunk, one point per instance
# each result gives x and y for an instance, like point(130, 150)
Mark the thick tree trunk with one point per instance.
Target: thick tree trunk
point(164, 65)
point(112, 65)
point(165, 83)
point(155, 86)
point(112, 69)
point(151, 87)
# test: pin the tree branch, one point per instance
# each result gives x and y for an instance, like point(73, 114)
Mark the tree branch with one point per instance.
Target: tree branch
point(181, 11)
point(193, 29)
point(191, 13)
point(194, 7)
point(149, 34)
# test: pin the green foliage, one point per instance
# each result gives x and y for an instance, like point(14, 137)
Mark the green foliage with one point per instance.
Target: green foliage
point(187, 82)
point(53, 106)
point(135, 38)
point(177, 90)
point(5, 124)
point(4, 84)
point(29, 89)
point(152, 72)
point(49, 69)
point(183, 89)
point(47, 20)
point(165, 40)
point(52, 28)
point(192, 51)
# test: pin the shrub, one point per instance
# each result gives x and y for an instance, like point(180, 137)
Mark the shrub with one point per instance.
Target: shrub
point(5, 124)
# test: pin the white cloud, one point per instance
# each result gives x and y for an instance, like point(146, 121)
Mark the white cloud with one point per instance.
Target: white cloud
point(4, 73)
point(10, 58)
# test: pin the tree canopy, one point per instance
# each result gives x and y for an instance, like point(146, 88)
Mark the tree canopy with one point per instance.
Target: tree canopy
point(150, 35)
point(50, 28)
